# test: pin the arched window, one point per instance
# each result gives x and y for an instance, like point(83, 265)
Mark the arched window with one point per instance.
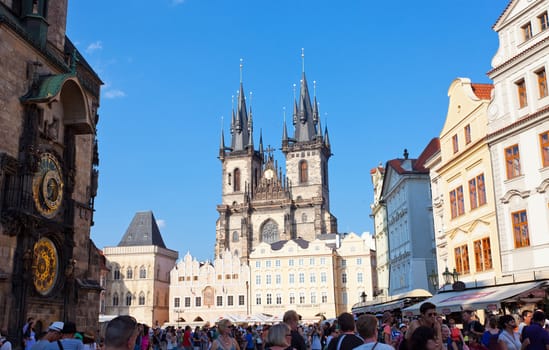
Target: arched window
point(115, 299)
point(236, 180)
point(142, 272)
point(116, 273)
point(141, 298)
point(129, 299)
point(303, 171)
point(235, 236)
point(269, 232)
point(129, 273)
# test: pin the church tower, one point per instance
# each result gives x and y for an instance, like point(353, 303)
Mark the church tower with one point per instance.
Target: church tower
point(241, 169)
point(259, 202)
point(307, 154)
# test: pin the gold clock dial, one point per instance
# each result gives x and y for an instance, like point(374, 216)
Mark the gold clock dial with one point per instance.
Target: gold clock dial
point(47, 186)
point(45, 266)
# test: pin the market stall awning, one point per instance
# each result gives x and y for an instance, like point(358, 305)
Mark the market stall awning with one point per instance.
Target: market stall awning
point(476, 299)
point(397, 301)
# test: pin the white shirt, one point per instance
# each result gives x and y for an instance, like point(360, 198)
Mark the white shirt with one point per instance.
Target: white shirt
point(370, 346)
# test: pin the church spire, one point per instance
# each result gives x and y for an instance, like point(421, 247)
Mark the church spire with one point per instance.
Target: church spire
point(304, 119)
point(241, 126)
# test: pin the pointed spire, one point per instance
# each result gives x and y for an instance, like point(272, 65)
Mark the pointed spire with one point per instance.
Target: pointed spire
point(326, 138)
point(222, 145)
point(260, 142)
point(241, 125)
point(284, 128)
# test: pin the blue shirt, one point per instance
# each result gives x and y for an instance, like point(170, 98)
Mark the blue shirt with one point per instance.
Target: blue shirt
point(538, 336)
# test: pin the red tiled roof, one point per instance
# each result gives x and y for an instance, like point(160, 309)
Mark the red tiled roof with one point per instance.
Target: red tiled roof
point(432, 148)
point(483, 91)
point(380, 168)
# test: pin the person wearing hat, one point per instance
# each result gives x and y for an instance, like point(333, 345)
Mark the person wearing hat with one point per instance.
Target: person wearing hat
point(68, 341)
point(53, 334)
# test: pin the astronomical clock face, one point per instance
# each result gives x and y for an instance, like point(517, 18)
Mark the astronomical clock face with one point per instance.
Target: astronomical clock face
point(45, 266)
point(47, 186)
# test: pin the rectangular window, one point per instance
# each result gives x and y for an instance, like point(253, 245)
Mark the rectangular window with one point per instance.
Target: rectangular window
point(241, 300)
point(187, 301)
point(344, 278)
point(219, 300)
point(522, 97)
point(300, 261)
point(176, 302)
point(323, 278)
point(278, 299)
point(359, 261)
point(520, 229)
point(455, 143)
point(292, 298)
point(277, 263)
point(477, 191)
point(543, 21)
point(322, 261)
point(268, 279)
point(313, 298)
point(359, 277)
point(343, 262)
point(542, 82)
point(301, 277)
point(230, 300)
point(278, 279)
point(291, 262)
point(257, 279)
point(269, 298)
point(258, 264)
point(512, 161)
point(312, 261)
point(483, 254)
point(291, 278)
point(268, 263)
point(258, 299)
point(467, 132)
point(527, 31)
point(457, 204)
point(302, 298)
point(324, 297)
point(312, 277)
point(462, 259)
point(544, 147)
point(198, 301)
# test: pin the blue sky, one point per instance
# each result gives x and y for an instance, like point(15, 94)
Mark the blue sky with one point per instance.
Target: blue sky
point(170, 68)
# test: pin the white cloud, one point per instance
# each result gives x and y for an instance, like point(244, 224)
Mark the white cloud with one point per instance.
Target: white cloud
point(161, 223)
point(98, 45)
point(114, 94)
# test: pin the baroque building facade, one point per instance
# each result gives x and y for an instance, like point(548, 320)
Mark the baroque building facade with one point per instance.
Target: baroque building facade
point(518, 136)
point(138, 281)
point(379, 215)
point(49, 97)
point(464, 211)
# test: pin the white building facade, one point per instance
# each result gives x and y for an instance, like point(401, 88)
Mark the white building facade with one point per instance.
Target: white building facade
point(518, 136)
point(379, 215)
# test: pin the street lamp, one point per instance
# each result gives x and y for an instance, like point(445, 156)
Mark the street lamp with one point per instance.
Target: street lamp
point(178, 312)
point(448, 276)
point(363, 296)
point(433, 279)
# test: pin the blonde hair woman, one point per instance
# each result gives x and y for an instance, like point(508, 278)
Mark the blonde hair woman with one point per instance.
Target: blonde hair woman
point(225, 341)
point(279, 337)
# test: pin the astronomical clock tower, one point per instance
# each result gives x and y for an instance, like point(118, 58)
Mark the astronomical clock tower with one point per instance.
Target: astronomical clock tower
point(260, 201)
point(49, 96)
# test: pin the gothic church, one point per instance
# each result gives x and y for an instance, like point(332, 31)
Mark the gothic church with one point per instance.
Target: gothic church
point(259, 202)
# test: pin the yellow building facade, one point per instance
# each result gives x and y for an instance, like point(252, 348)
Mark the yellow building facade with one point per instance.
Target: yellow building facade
point(461, 183)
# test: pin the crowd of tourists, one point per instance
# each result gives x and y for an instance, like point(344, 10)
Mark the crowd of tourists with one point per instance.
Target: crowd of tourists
point(430, 331)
